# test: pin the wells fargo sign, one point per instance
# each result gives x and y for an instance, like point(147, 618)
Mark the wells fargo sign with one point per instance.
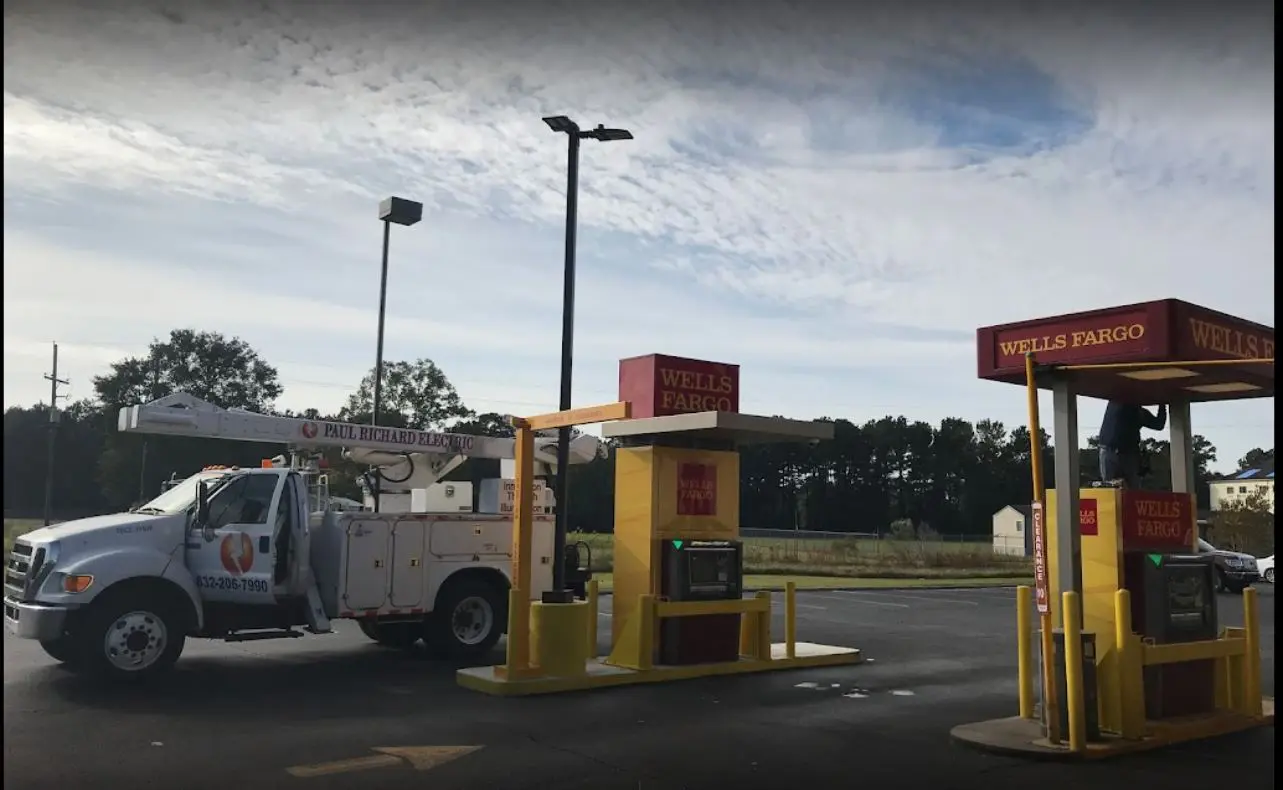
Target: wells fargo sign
point(1073, 340)
point(1088, 517)
point(696, 489)
point(1157, 521)
point(657, 386)
point(1209, 337)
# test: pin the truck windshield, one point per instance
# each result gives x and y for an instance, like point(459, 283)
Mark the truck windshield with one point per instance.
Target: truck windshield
point(182, 496)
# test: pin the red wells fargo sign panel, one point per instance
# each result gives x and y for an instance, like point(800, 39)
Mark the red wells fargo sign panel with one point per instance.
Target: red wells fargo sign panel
point(696, 489)
point(1158, 521)
point(658, 386)
point(1060, 341)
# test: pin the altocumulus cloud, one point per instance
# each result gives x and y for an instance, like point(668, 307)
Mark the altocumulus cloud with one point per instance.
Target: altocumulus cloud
point(833, 198)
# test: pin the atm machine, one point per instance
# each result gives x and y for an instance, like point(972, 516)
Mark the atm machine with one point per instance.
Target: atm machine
point(1173, 599)
point(701, 570)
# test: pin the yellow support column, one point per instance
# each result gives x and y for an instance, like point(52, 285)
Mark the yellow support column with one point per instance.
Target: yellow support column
point(518, 663)
point(1025, 649)
point(1050, 710)
point(1074, 672)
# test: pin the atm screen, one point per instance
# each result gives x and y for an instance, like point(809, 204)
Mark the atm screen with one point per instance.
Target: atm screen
point(1187, 596)
point(709, 568)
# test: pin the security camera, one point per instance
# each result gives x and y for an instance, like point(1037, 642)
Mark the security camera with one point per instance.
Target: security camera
point(813, 443)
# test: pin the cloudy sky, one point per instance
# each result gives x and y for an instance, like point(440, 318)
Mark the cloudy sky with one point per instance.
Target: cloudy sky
point(835, 199)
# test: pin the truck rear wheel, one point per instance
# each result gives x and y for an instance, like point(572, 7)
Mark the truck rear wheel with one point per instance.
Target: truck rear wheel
point(467, 620)
point(130, 637)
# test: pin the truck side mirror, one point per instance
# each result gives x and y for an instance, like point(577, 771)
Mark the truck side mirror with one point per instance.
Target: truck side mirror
point(202, 504)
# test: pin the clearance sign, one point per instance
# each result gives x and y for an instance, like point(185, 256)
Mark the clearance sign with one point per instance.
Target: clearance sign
point(1042, 595)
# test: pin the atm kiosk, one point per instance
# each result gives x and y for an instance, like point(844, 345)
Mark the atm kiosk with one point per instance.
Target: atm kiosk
point(1142, 542)
point(1174, 601)
point(701, 570)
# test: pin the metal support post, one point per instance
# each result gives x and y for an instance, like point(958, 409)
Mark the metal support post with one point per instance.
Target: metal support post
point(1069, 546)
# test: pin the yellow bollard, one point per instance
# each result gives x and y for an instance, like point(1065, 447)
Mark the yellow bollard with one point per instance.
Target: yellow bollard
point(1127, 670)
point(1074, 671)
point(593, 616)
point(748, 634)
point(790, 619)
point(518, 630)
point(764, 627)
point(1025, 649)
point(1252, 661)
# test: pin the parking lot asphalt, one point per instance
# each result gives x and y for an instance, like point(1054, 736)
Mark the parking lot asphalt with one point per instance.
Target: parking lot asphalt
point(314, 713)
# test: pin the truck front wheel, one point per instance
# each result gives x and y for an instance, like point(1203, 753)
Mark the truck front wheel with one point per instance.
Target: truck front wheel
point(467, 620)
point(130, 637)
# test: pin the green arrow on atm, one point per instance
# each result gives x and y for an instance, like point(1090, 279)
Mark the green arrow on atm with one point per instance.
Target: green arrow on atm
point(677, 544)
point(1157, 559)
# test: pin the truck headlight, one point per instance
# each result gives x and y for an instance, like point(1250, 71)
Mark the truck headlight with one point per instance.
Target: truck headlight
point(76, 582)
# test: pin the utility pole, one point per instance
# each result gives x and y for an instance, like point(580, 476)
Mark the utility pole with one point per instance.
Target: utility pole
point(142, 467)
point(54, 381)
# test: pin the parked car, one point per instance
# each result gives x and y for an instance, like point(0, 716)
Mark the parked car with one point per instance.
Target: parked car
point(1265, 567)
point(1235, 571)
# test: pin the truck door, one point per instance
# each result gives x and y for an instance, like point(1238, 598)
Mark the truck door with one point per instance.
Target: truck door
point(231, 554)
point(292, 540)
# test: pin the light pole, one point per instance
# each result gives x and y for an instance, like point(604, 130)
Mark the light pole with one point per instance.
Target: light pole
point(398, 211)
point(563, 125)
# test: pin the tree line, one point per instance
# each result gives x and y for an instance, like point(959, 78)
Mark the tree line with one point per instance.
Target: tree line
point(949, 478)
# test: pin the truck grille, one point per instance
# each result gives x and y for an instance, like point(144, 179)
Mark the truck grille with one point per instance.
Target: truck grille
point(22, 566)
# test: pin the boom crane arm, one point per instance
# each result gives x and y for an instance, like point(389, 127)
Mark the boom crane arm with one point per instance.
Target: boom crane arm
point(181, 414)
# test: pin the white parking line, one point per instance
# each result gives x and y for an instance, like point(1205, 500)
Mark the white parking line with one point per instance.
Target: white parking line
point(907, 597)
point(838, 595)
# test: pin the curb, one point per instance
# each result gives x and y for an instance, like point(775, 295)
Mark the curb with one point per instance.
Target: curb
point(899, 588)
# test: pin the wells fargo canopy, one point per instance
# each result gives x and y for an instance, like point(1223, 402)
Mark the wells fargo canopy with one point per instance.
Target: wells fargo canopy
point(1150, 335)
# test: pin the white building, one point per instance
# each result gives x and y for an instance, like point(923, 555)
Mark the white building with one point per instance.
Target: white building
point(1011, 533)
point(1240, 485)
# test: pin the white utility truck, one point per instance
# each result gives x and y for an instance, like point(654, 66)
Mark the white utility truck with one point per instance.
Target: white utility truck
point(240, 554)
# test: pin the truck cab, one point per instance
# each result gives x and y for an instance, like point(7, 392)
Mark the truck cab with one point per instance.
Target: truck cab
point(120, 593)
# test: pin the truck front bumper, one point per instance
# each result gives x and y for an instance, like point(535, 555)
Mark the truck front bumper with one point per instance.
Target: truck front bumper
point(34, 620)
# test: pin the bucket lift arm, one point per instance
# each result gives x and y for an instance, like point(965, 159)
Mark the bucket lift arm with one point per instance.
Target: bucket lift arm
point(404, 456)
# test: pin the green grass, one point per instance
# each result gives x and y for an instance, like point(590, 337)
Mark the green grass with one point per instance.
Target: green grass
point(929, 562)
point(864, 562)
point(774, 581)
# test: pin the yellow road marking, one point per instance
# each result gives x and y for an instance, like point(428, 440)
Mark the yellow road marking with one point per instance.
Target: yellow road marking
point(344, 766)
point(420, 758)
point(424, 758)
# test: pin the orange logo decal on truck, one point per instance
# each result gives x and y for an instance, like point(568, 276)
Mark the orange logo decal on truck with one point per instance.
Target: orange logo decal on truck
point(236, 553)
